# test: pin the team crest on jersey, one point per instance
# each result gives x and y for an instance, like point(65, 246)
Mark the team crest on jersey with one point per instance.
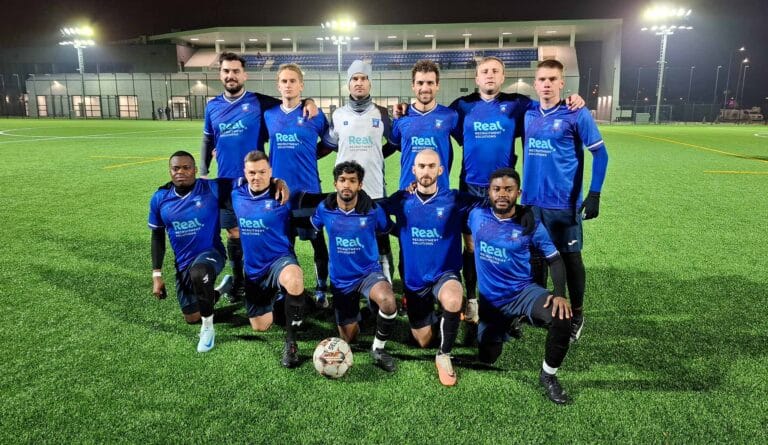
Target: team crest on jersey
point(503, 108)
point(375, 122)
point(440, 212)
point(515, 235)
point(438, 123)
point(198, 203)
point(245, 107)
point(300, 120)
point(557, 124)
point(268, 205)
point(363, 222)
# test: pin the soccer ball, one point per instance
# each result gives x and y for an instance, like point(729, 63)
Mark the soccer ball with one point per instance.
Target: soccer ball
point(332, 357)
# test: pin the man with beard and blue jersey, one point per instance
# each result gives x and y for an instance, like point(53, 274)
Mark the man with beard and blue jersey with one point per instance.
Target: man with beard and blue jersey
point(233, 127)
point(489, 122)
point(293, 154)
point(270, 263)
point(553, 155)
point(352, 221)
point(187, 209)
point(426, 125)
point(505, 283)
point(429, 226)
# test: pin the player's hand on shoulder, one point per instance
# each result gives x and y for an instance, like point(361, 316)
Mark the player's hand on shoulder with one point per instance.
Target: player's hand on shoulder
point(282, 192)
point(575, 102)
point(560, 307)
point(399, 110)
point(310, 109)
point(411, 188)
point(527, 221)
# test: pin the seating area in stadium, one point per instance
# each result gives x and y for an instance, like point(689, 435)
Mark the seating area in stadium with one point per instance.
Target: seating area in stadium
point(393, 60)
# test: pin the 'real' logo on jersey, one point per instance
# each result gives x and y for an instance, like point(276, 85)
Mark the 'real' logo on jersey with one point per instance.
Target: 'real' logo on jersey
point(187, 225)
point(493, 251)
point(360, 140)
point(246, 223)
point(419, 233)
point(283, 137)
point(423, 142)
point(375, 122)
point(226, 127)
point(540, 143)
point(488, 126)
point(349, 242)
point(438, 123)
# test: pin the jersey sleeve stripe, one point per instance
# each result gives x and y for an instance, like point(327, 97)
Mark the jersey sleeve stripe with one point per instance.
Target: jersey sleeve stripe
point(552, 254)
point(152, 226)
point(595, 145)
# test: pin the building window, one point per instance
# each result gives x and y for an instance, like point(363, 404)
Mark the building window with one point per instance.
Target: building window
point(42, 106)
point(129, 106)
point(90, 108)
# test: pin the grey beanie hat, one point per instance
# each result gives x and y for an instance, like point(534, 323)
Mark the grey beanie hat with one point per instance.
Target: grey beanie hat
point(358, 66)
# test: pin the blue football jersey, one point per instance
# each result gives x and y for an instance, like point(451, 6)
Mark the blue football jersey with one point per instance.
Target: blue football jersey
point(416, 131)
point(488, 132)
point(192, 220)
point(430, 233)
point(293, 147)
point(264, 229)
point(502, 255)
point(553, 156)
point(352, 245)
point(237, 128)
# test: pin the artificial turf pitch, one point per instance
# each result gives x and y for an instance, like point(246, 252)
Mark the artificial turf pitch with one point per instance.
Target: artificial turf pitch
point(674, 347)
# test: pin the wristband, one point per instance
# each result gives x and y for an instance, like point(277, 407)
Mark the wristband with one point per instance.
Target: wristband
point(156, 274)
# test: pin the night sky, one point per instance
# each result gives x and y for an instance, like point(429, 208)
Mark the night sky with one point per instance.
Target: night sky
point(719, 27)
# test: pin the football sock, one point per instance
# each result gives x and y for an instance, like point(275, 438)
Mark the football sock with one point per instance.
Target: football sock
point(558, 340)
point(548, 369)
point(469, 272)
point(203, 276)
point(294, 315)
point(235, 252)
point(207, 321)
point(489, 352)
point(321, 261)
point(385, 323)
point(576, 277)
point(449, 329)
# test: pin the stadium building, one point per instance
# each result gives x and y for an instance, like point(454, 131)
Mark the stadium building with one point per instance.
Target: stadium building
point(177, 72)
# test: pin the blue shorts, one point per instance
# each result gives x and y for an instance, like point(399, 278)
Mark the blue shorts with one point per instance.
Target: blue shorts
point(421, 303)
point(260, 292)
point(564, 227)
point(185, 293)
point(495, 321)
point(346, 305)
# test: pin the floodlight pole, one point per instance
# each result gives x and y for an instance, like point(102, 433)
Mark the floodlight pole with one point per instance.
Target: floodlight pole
point(338, 70)
point(662, 64)
point(717, 77)
point(81, 68)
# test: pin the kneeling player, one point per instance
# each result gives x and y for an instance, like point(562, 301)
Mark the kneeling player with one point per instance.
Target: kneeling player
point(188, 208)
point(352, 221)
point(270, 263)
point(507, 291)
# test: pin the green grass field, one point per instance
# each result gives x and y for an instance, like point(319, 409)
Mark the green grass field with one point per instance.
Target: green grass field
point(674, 349)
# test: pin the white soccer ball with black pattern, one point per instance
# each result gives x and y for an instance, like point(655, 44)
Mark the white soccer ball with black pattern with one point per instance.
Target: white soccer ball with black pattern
point(332, 357)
